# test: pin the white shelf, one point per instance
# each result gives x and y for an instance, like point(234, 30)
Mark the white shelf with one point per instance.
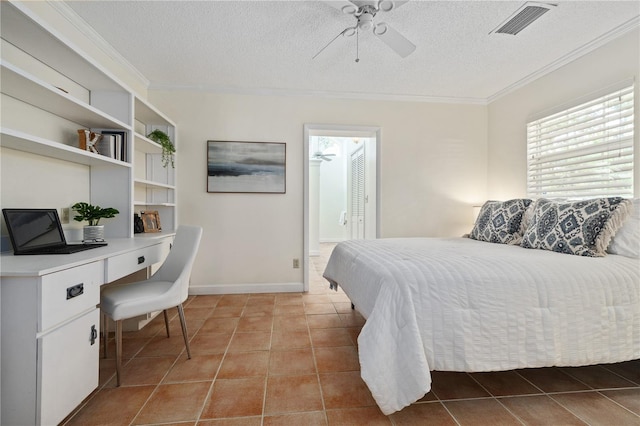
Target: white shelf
point(149, 115)
point(150, 184)
point(20, 141)
point(22, 29)
point(21, 85)
point(146, 145)
point(149, 204)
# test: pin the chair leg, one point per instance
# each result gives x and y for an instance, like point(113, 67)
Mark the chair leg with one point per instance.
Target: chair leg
point(183, 323)
point(166, 322)
point(105, 333)
point(118, 350)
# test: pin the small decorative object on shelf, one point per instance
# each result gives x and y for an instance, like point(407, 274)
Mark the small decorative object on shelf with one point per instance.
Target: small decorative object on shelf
point(94, 232)
point(151, 221)
point(168, 149)
point(138, 225)
point(87, 140)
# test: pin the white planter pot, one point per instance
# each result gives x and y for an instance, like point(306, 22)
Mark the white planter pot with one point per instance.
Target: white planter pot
point(93, 234)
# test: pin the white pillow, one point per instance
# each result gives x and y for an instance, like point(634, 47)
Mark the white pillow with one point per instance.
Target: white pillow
point(626, 241)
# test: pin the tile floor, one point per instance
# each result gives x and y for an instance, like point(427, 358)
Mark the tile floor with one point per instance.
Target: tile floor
point(292, 359)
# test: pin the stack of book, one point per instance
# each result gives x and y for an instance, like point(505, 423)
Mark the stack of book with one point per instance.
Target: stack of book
point(113, 144)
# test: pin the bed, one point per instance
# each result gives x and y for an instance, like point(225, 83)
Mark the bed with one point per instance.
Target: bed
point(460, 304)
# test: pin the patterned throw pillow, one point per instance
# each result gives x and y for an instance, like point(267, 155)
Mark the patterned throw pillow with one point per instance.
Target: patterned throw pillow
point(500, 222)
point(583, 228)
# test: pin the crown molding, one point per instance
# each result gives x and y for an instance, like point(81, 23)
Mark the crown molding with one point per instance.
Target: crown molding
point(617, 32)
point(81, 25)
point(321, 94)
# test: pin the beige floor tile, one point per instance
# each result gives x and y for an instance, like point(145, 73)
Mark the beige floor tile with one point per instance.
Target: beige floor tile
point(235, 398)
point(198, 368)
point(451, 385)
point(432, 413)
point(237, 365)
point(595, 409)
point(481, 412)
point(370, 416)
point(342, 358)
point(173, 403)
point(113, 406)
point(345, 390)
point(287, 394)
point(540, 410)
point(282, 340)
point(292, 362)
point(250, 341)
point(316, 418)
point(501, 383)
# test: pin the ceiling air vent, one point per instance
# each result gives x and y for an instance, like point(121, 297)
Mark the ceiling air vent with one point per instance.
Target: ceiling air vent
point(522, 18)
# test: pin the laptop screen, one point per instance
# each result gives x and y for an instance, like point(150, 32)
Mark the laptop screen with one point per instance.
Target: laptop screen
point(33, 228)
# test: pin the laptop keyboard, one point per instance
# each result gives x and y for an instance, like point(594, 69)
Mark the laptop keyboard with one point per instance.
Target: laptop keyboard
point(74, 248)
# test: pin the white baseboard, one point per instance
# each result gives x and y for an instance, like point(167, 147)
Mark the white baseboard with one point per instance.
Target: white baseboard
point(332, 240)
point(246, 288)
point(314, 252)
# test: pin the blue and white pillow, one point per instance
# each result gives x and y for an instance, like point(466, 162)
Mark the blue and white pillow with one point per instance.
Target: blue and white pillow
point(500, 221)
point(582, 228)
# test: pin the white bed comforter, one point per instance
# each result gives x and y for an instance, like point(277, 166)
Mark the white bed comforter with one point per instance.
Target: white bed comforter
point(463, 305)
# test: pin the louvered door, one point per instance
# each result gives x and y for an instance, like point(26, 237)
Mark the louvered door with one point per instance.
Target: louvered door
point(357, 194)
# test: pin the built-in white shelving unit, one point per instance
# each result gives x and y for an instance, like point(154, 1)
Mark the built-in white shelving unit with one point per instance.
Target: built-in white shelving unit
point(76, 91)
point(51, 89)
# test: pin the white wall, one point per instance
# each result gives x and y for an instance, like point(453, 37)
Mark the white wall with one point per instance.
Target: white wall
point(432, 169)
point(609, 64)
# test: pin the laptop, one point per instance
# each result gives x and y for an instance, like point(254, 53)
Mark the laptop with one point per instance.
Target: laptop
point(39, 231)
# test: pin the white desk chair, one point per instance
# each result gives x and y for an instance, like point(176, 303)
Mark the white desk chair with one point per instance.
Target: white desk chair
point(167, 288)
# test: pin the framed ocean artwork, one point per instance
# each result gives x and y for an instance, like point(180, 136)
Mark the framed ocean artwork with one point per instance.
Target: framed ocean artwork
point(250, 167)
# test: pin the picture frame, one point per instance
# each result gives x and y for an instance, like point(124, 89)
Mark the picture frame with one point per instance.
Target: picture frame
point(151, 221)
point(246, 167)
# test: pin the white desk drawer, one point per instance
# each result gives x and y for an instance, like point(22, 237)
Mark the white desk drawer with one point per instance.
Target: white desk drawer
point(68, 293)
point(128, 263)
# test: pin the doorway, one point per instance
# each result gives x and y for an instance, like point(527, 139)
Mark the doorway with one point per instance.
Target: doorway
point(341, 188)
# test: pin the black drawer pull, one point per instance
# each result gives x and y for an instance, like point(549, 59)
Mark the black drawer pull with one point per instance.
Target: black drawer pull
point(141, 260)
point(75, 291)
point(94, 335)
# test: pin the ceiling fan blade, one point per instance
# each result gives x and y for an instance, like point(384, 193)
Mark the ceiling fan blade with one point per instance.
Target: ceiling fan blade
point(343, 32)
point(388, 5)
point(344, 6)
point(392, 38)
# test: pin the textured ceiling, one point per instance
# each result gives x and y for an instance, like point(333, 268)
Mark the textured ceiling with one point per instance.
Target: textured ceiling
point(267, 46)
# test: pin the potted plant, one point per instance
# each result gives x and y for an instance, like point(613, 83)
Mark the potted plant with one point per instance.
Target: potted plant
point(94, 232)
point(168, 149)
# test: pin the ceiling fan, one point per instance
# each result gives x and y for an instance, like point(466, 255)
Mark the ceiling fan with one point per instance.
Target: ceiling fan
point(365, 12)
point(320, 156)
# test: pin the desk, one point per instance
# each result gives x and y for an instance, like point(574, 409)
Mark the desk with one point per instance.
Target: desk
point(50, 321)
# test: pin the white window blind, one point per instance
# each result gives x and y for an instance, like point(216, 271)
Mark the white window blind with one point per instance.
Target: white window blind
point(584, 151)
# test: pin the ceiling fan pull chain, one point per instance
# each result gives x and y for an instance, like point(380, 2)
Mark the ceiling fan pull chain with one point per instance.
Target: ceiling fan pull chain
point(357, 45)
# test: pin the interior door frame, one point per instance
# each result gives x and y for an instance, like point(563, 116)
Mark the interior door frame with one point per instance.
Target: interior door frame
point(339, 130)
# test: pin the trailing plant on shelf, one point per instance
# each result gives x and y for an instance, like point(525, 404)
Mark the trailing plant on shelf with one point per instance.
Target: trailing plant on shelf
point(168, 149)
point(94, 232)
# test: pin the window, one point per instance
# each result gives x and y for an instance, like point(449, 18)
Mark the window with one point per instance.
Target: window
point(584, 151)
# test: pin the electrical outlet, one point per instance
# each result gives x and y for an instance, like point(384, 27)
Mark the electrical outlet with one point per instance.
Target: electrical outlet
point(296, 263)
point(64, 215)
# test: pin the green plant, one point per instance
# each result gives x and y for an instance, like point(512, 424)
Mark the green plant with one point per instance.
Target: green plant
point(168, 149)
point(92, 214)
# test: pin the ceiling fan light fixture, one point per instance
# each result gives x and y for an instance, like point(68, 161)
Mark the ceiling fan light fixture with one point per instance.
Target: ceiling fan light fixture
point(386, 5)
point(380, 29)
point(365, 21)
point(349, 9)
